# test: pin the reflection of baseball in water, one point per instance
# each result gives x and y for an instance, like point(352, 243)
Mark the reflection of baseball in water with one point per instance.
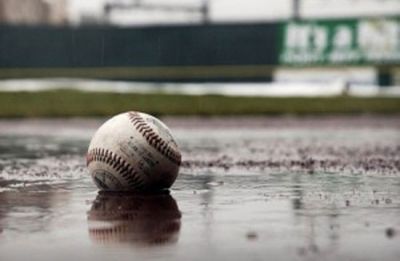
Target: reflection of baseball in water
point(133, 151)
point(142, 220)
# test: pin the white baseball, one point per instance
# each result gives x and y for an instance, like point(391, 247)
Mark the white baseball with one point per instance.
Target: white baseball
point(133, 151)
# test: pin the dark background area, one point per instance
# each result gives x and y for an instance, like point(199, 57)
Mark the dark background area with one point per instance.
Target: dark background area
point(41, 47)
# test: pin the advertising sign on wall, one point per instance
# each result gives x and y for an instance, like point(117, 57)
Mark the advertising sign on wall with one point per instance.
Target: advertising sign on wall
point(330, 42)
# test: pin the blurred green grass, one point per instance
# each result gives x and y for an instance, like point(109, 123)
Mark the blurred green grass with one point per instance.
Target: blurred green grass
point(72, 103)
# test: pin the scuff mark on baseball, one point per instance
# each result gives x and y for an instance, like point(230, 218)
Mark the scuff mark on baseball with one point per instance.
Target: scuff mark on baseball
point(133, 151)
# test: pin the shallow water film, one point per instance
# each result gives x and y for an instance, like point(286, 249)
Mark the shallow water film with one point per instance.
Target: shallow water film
point(248, 189)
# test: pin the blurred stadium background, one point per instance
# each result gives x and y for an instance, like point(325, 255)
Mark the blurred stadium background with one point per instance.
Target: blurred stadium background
point(252, 185)
point(230, 47)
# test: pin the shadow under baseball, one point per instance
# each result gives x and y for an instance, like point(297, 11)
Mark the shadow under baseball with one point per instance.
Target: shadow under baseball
point(142, 220)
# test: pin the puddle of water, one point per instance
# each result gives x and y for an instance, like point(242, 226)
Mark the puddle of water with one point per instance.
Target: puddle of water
point(241, 195)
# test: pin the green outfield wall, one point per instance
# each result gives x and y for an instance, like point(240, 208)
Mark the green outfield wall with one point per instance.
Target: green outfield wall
point(215, 52)
point(165, 53)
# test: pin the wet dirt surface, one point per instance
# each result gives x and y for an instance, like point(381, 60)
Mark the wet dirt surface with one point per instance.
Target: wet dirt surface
point(249, 189)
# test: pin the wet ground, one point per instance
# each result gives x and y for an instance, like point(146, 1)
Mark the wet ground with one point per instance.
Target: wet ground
point(249, 189)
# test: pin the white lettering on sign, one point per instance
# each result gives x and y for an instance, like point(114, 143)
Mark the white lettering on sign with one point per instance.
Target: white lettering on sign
point(306, 37)
point(379, 40)
point(349, 41)
point(343, 37)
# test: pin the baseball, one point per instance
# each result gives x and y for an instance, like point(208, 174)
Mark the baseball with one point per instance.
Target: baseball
point(133, 151)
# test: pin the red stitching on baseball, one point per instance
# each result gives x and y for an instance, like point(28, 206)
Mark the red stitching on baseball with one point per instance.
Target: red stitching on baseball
point(154, 139)
point(117, 163)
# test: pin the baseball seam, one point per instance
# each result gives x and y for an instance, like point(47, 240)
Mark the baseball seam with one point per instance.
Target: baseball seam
point(117, 163)
point(153, 139)
point(105, 235)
